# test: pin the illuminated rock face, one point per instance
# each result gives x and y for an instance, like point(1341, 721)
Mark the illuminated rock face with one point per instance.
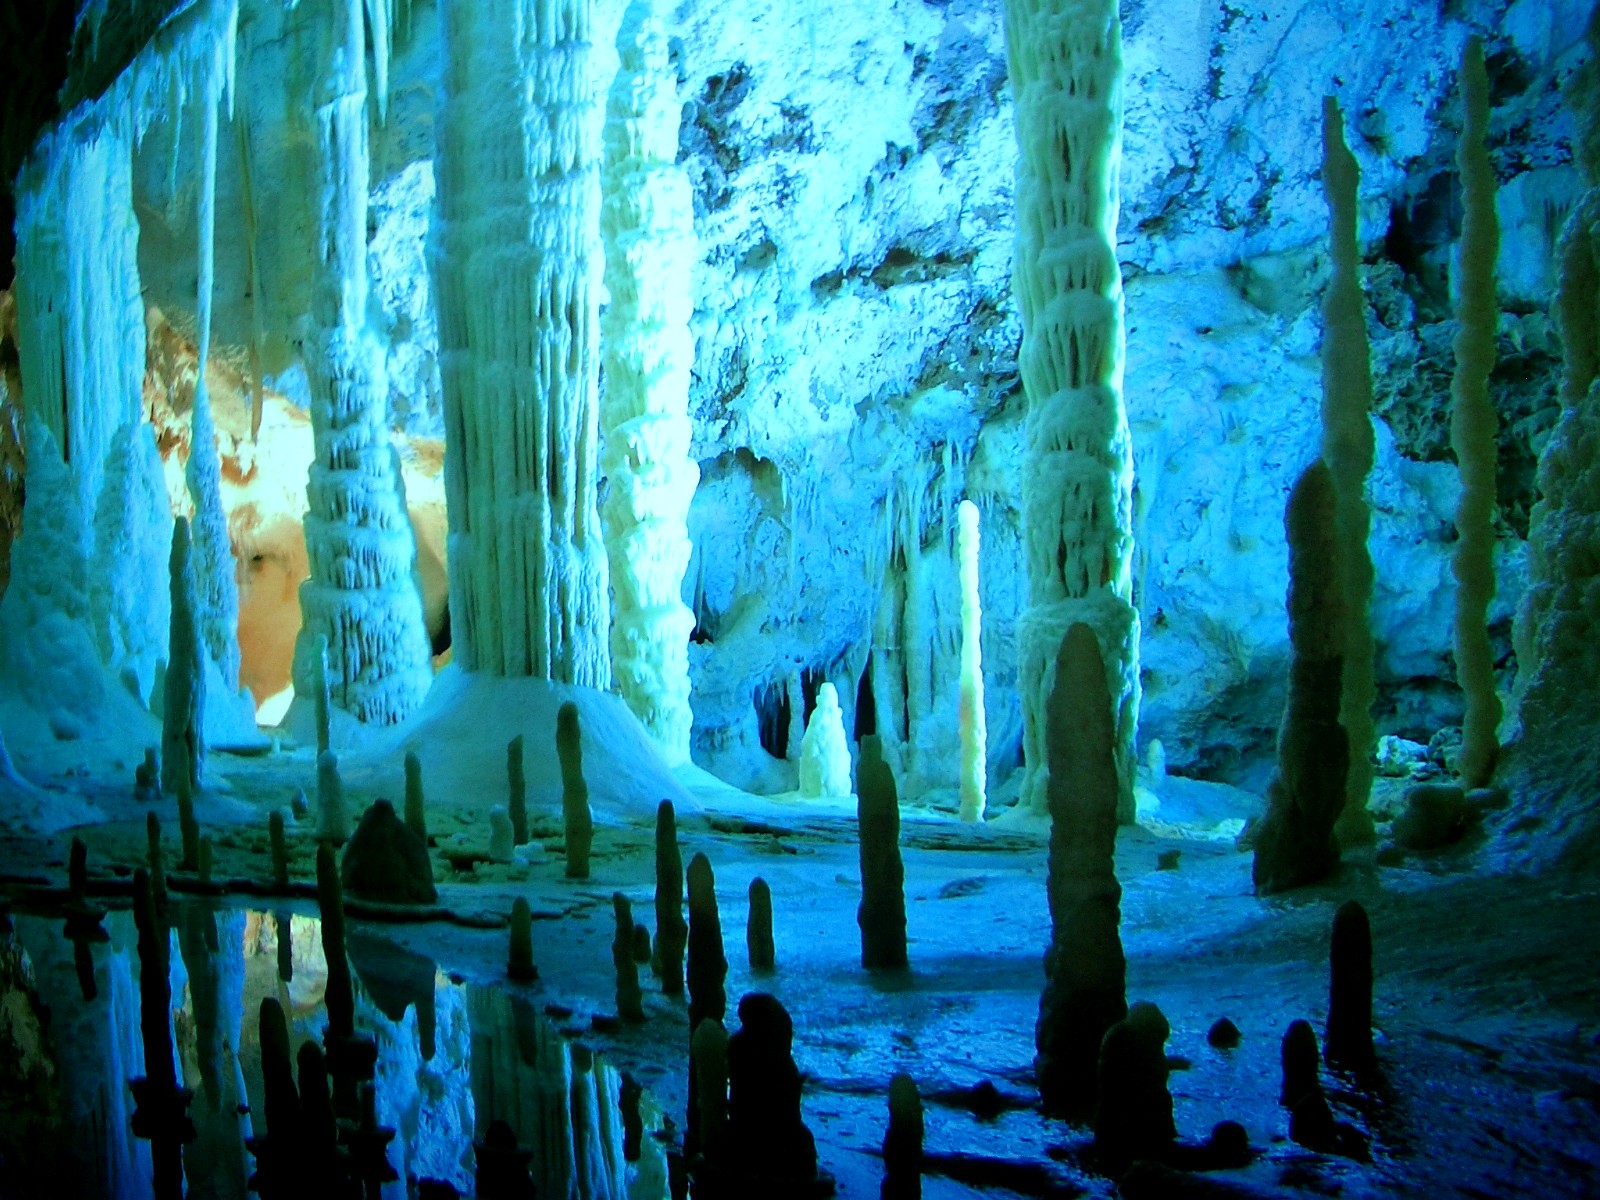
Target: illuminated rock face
point(362, 594)
point(1077, 517)
point(647, 221)
point(516, 271)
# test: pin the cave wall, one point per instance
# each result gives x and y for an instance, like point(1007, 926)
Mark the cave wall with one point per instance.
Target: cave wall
point(855, 373)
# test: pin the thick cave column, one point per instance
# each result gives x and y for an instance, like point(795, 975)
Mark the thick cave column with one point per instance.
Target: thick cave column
point(647, 221)
point(362, 593)
point(516, 265)
point(1065, 63)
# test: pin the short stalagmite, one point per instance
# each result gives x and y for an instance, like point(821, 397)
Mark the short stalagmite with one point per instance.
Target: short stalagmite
point(1349, 1040)
point(630, 1000)
point(758, 928)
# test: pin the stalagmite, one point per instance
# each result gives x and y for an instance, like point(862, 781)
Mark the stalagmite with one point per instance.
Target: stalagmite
point(518, 339)
point(280, 849)
point(386, 861)
point(1064, 59)
point(520, 965)
point(132, 533)
point(767, 1137)
point(162, 1112)
point(183, 744)
point(517, 787)
point(155, 860)
point(188, 827)
point(1349, 1040)
point(576, 818)
point(974, 727)
point(630, 1000)
point(708, 966)
point(1473, 425)
point(1558, 656)
point(362, 594)
point(758, 928)
point(333, 815)
point(882, 911)
point(902, 1143)
point(1295, 842)
point(824, 753)
point(709, 1049)
point(416, 805)
point(502, 838)
point(647, 222)
point(321, 696)
point(672, 932)
point(1347, 448)
point(1298, 1057)
point(1084, 967)
point(1133, 1108)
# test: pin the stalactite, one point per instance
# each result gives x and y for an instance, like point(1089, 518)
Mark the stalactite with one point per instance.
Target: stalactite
point(1347, 447)
point(362, 594)
point(1065, 64)
point(647, 220)
point(518, 339)
point(1472, 428)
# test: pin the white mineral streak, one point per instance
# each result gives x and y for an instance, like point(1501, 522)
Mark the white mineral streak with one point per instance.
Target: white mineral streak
point(362, 594)
point(1473, 426)
point(516, 263)
point(218, 589)
point(974, 729)
point(1348, 449)
point(1065, 65)
point(824, 753)
point(647, 221)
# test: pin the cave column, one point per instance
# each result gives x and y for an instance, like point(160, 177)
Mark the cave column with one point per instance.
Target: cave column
point(516, 258)
point(362, 593)
point(1065, 63)
point(647, 221)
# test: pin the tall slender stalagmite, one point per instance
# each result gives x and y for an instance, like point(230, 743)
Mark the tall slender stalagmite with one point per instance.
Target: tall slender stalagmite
point(1065, 63)
point(974, 726)
point(516, 255)
point(647, 220)
point(362, 593)
point(1473, 424)
point(1347, 447)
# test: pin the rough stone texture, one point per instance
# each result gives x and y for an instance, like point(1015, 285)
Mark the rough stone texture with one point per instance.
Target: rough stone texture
point(386, 860)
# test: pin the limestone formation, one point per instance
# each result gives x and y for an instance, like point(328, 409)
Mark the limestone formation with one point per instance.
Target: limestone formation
point(520, 965)
point(502, 838)
point(758, 928)
point(416, 803)
point(902, 1143)
point(528, 575)
point(709, 1049)
point(188, 827)
point(362, 631)
point(1473, 425)
point(973, 723)
point(161, 1115)
point(147, 776)
point(1133, 1109)
point(280, 849)
point(1295, 842)
point(156, 861)
point(517, 791)
point(882, 911)
point(1299, 1062)
point(708, 966)
point(672, 932)
point(1349, 1036)
point(767, 1137)
point(386, 861)
point(824, 753)
point(630, 1000)
point(333, 817)
point(1064, 60)
point(641, 943)
point(183, 705)
point(1348, 449)
point(1084, 967)
point(576, 818)
point(647, 222)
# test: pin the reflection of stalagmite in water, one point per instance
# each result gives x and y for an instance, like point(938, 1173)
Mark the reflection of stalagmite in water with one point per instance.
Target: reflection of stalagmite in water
point(562, 1102)
point(162, 1106)
point(212, 949)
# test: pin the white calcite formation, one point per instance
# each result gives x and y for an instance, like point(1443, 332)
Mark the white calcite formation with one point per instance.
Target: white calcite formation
point(1066, 72)
point(647, 221)
point(974, 726)
point(362, 595)
point(1473, 426)
point(516, 271)
point(824, 753)
point(1348, 449)
point(132, 534)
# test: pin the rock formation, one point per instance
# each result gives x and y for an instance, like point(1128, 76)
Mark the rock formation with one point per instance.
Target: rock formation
point(824, 753)
point(902, 1142)
point(767, 1137)
point(672, 931)
point(1084, 967)
point(974, 724)
point(1295, 842)
point(630, 1000)
point(882, 911)
point(517, 791)
point(576, 818)
point(520, 965)
point(1349, 1035)
point(1065, 66)
point(386, 861)
point(1133, 1109)
point(758, 928)
point(183, 745)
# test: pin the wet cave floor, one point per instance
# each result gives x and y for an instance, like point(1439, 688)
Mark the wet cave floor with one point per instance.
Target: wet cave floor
point(1486, 1002)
